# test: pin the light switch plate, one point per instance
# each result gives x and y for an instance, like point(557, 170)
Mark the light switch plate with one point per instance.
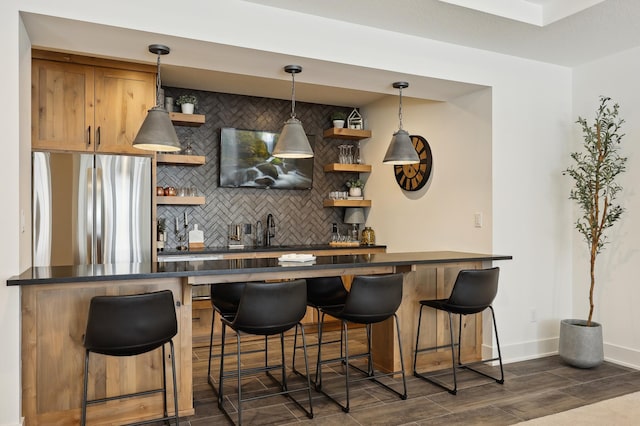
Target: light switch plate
point(477, 220)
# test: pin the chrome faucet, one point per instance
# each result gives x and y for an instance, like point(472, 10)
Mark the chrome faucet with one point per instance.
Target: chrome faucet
point(270, 232)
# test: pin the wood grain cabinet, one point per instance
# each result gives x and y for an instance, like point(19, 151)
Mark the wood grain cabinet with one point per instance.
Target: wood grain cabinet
point(77, 106)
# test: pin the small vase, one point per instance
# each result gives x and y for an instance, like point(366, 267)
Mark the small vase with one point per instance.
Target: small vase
point(368, 236)
point(339, 124)
point(355, 192)
point(187, 108)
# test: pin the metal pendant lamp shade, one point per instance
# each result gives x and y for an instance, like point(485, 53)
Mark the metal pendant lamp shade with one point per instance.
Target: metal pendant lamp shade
point(293, 141)
point(354, 215)
point(401, 150)
point(157, 132)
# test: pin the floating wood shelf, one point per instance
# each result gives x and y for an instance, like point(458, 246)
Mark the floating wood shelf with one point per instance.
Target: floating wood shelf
point(191, 120)
point(347, 203)
point(355, 168)
point(181, 201)
point(350, 134)
point(185, 160)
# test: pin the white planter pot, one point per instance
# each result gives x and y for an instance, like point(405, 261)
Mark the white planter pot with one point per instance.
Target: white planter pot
point(579, 345)
point(338, 124)
point(187, 108)
point(355, 192)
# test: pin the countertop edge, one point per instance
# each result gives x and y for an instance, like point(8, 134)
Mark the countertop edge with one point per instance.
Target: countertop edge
point(379, 260)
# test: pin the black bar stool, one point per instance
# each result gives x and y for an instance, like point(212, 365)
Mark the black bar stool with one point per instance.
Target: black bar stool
point(225, 298)
point(371, 299)
point(266, 309)
point(472, 293)
point(127, 326)
point(322, 292)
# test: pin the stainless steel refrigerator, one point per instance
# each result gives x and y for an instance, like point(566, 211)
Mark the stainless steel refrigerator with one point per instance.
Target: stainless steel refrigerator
point(91, 209)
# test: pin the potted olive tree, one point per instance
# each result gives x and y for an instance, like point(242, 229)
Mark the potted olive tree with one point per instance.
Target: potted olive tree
point(595, 189)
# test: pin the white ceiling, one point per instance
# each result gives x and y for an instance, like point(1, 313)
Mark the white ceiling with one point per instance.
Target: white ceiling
point(591, 28)
point(563, 32)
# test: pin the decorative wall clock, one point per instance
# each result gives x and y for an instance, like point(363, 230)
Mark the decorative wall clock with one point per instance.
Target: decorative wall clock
point(412, 177)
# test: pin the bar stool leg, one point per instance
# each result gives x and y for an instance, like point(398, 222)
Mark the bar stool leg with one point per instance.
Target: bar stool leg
point(453, 357)
point(221, 379)
point(284, 375)
point(319, 357)
point(346, 358)
point(175, 382)
point(240, 379)
point(415, 352)
point(83, 417)
point(213, 320)
point(306, 366)
point(164, 383)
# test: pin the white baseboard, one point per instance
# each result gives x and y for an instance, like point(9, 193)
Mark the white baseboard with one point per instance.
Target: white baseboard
point(540, 348)
point(21, 423)
point(524, 351)
point(622, 356)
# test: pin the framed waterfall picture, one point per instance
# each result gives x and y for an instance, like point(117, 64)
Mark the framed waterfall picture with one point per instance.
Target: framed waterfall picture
point(246, 162)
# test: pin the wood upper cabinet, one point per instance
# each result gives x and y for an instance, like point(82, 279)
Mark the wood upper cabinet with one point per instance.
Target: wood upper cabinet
point(82, 107)
point(62, 106)
point(122, 99)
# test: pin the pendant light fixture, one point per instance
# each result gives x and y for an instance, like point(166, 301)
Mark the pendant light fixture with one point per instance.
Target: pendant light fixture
point(157, 132)
point(401, 150)
point(293, 142)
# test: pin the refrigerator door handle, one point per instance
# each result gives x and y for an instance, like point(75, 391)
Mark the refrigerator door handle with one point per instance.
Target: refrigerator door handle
point(99, 216)
point(89, 218)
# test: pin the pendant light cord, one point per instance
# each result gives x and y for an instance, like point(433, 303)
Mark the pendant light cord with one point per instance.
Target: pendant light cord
point(400, 109)
point(293, 95)
point(158, 84)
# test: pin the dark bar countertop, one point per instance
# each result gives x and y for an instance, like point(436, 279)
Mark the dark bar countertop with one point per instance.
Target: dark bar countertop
point(111, 272)
point(260, 249)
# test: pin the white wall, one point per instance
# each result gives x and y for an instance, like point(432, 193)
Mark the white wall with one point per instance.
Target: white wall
point(530, 124)
point(441, 213)
point(617, 293)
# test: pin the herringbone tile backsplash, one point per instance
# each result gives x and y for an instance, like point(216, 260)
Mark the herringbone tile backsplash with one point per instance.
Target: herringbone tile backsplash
point(299, 215)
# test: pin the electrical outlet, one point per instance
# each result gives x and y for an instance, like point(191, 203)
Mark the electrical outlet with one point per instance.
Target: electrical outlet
point(477, 220)
point(533, 315)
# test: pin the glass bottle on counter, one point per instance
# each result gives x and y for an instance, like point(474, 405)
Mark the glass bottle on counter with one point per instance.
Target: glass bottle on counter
point(368, 236)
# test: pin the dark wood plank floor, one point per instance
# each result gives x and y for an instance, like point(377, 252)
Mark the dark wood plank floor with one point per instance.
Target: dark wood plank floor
point(532, 389)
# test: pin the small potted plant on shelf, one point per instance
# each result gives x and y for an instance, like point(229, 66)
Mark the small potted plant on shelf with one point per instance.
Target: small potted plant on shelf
point(187, 103)
point(338, 119)
point(355, 187)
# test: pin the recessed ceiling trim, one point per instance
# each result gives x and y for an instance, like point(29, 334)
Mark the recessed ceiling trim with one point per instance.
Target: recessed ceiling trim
point(534, 12)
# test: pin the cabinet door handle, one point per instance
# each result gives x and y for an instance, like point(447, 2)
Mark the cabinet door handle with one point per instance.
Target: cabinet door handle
point(98, 136)
point(89, 136)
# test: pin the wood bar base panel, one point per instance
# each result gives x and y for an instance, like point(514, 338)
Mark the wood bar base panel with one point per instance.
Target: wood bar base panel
point(54, 319)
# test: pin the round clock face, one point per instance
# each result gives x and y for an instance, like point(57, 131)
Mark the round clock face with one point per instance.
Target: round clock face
point(412, 177)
